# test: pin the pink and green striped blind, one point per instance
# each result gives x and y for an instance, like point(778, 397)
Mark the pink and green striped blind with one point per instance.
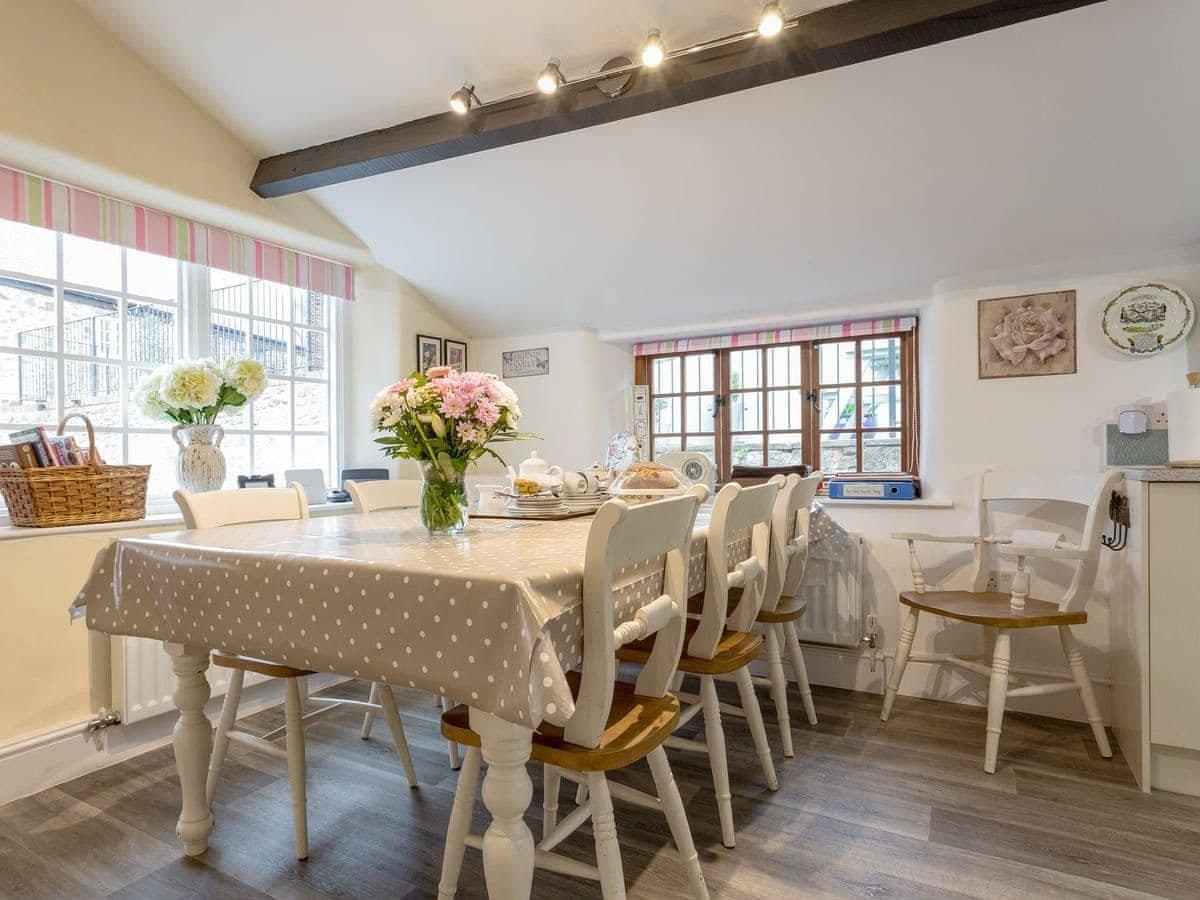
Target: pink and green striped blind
point(778, 336)
point(50, 204)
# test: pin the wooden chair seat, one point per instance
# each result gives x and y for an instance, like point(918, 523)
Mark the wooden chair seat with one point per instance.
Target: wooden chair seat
point(735, 649)
point(789, 609)
point(261, 666)
point(992, 609)
point(636, 725)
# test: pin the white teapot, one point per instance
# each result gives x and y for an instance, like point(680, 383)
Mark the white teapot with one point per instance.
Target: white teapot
point(537, 470)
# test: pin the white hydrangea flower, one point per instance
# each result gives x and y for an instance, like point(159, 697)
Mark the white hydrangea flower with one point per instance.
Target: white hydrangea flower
point(191, 384)
point(146, 396)
point(247, 376)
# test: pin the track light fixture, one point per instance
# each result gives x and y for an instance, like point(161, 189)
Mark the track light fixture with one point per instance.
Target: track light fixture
point(770, 23)
point(551, 78)
point(461, 100)
point(654, 51)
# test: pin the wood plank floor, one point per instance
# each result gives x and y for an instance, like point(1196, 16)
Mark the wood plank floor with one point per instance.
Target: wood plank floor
point(902, 809)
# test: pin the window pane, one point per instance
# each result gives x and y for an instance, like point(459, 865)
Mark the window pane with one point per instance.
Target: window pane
point(230, 337)
point(881, 407)
point(91, 263)
point(228, 292)
point(839, 452)
point(745, 369)
point(700, 412)
point(838, 363)
point(158, 451)
point(786, 410)
point(312, 358)
point(151, 276)
point(312, 309)
point(28, 250)
point(93, 389)
point(272, 301)
point(784, 449)
point(666, 375)
point(28, 395)
point(784, 366)
point(152, 333)
point(666, 416)
point(27, 316)
point(699, 371)
point(272, 454)
point(236, 448)
point(91, 325)
point(881, 359)
point(881, 451)
point(312, 452)
point(312, 406)
point(705, 445)
point(747, 450)
point(666, 445)
point(273, 408)
point(270, 345)
point(745, 411)
point(838, 407)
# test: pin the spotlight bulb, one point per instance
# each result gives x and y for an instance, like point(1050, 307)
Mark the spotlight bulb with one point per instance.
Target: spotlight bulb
point(460, 100)
point(654, 51)
point(770, 23)
point(550, 79)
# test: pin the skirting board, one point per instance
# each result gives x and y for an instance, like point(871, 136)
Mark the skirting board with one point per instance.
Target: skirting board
point(34, 763)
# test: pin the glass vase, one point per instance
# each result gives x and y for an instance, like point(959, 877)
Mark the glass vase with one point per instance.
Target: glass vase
point(443, 500)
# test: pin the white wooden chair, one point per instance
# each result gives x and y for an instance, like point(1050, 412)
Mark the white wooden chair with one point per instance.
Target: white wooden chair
point(219, 508)
point(1000, 613)
point(377, 496)
point(723, 644)
point(615, 724)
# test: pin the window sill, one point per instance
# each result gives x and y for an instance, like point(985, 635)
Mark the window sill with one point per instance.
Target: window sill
point(899, 504)
point(163, 520)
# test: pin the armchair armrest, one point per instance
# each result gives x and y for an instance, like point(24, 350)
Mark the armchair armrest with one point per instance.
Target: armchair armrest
point(949, 539)
point(1065, 552)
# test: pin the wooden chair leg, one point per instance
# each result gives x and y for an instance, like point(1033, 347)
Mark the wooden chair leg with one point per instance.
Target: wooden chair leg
point(551, 778)
point(460, 823)
point(452, 747)
point(779, 686)
point(297, 775)
point(714, 737)
point(369, 715)
point(392, 716)
point(604, 831)
point(1087, 693)
point(672, 804)
point(997, 696)
point(758, 731)
point(799, 672)
point(229, 711)
point(907, 632)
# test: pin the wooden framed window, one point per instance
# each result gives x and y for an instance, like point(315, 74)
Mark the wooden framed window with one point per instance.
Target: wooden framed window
point(845, 405)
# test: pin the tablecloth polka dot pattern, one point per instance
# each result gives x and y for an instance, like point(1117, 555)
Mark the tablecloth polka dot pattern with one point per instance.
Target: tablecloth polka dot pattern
point(492, 618)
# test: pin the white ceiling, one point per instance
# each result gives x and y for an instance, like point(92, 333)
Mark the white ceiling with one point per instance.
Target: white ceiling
point(1071, 136)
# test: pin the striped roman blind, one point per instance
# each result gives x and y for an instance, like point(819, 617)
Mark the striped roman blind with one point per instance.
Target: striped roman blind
point(777, 336)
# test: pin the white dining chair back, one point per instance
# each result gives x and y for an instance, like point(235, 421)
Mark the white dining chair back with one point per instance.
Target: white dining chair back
point(374, 496)
point(214, 509)
point(628, 544)
point(789, 537)
point(736, 511)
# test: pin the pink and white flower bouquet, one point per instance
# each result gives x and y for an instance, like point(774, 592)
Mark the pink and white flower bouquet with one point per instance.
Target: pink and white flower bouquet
point(446, 420)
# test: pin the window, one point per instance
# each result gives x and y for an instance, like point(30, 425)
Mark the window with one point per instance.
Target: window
point(81, 322)
point(843, 405)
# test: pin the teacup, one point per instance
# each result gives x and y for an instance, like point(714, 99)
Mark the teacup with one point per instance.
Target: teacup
point(575, 483)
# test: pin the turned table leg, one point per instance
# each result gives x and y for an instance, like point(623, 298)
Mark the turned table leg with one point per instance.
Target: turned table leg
point(507, 793)
point(193, 744)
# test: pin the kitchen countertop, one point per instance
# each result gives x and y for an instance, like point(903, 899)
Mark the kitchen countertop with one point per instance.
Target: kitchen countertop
point(1164, 473)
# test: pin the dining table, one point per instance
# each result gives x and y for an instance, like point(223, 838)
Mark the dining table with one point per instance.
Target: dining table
point(491, 618)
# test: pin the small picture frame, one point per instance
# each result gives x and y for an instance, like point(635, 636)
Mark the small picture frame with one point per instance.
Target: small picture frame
point(454, 354)
point(522, 363)
point(429, 352)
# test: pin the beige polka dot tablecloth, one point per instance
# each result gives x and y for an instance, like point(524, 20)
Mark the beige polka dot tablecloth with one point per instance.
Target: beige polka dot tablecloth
point(492, 618)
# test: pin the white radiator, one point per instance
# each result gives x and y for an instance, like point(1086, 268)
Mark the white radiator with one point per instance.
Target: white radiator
point(832, 587)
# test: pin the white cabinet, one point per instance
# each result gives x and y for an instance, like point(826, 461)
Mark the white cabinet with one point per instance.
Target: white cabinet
point(1156, 633)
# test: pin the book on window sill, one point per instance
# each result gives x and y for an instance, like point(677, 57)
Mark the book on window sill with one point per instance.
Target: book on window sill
point(36, 439)
point(18, 456)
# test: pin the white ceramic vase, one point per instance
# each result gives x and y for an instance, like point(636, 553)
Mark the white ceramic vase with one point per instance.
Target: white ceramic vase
point(200, 465)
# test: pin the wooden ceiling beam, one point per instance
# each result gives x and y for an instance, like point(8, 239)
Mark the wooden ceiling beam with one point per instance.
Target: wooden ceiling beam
point(829, 38)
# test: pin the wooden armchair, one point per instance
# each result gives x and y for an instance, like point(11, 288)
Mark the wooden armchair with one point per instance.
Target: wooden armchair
point(1001, 613)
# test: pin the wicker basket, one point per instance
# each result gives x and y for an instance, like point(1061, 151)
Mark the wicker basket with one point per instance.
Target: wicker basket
point(75, 495)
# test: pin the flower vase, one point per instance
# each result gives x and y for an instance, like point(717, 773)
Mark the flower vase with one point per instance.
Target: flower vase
point(200, 465)
point(443, 500)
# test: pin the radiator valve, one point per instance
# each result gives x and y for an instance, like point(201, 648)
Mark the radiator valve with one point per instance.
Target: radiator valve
point(870, 639)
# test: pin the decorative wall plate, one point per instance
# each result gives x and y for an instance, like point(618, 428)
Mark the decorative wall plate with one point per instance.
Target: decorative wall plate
point(1146, 319)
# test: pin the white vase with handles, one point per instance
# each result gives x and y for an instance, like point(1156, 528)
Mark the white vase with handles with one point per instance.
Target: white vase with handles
point(200, 465)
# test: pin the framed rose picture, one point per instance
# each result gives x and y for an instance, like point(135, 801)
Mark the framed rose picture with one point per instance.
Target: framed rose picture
point(429, 352)
point(1029, 335)
point(454, 354)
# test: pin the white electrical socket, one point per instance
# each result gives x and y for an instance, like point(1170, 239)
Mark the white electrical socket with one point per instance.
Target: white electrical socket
point(1156, 413)
point(1000, 581)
